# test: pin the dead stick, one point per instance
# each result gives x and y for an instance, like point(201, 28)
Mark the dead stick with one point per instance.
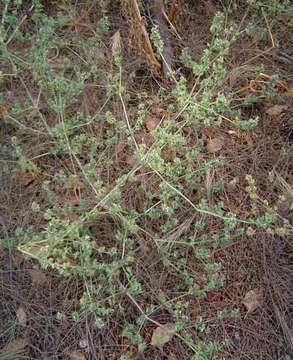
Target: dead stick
point(157, 12)
point(147, 43)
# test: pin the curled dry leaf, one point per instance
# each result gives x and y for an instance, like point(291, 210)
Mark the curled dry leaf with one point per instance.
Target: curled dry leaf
point(16, 345)
point(76, 355)
point(276, 110)
point(163, 334)
point(21, 316)
point(27, 178)
point(253, 300)
point(151, 122)
point(215, 145)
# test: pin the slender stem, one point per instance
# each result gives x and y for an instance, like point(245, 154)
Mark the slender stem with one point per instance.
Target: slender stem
point(202, 211)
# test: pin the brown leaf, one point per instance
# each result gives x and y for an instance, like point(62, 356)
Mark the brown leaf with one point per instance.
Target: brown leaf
point(21, 316)
point(210, 9)
point(116, 43)
point(27, 178)
point(17, 344)
point(3, 111)
point(38, 277)
point(276, 110)
point(152, 122)
point(163, 334)
point(215, 145)
point(76, 355)
point(231, 186)
point(253, 300)
point(285, 17)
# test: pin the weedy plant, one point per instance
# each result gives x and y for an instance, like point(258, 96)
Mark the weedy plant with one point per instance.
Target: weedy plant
point(122, 197)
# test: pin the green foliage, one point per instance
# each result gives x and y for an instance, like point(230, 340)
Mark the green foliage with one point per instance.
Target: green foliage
point(131, 333)
point(156, 38)
point(272, 7)
point(263, 14)
point(100, 221)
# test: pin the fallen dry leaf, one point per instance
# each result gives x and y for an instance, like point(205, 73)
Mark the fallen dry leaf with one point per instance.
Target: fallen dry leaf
point(163, 334)
point(16, 345)
point(116, 43)
point(285, 17)
point(210, 9)
point(151, 122)
point(215, 145)
point(27, 178)
point(3, 111)
point(213, 296)
point(76, 355)
point(276, 110)
point(253, 300)
point(231, 186)
point(38, 277)
point(21, 316)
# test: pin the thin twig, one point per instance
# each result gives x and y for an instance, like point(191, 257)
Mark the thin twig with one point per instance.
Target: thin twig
point(36, 106)
point(138, 306)
point(171, 25)
point(18, 26)
point(207, 212)
point(127, 121)
point(269, 30)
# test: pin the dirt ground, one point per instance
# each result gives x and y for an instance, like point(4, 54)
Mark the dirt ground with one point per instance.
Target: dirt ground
point(260, 261)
